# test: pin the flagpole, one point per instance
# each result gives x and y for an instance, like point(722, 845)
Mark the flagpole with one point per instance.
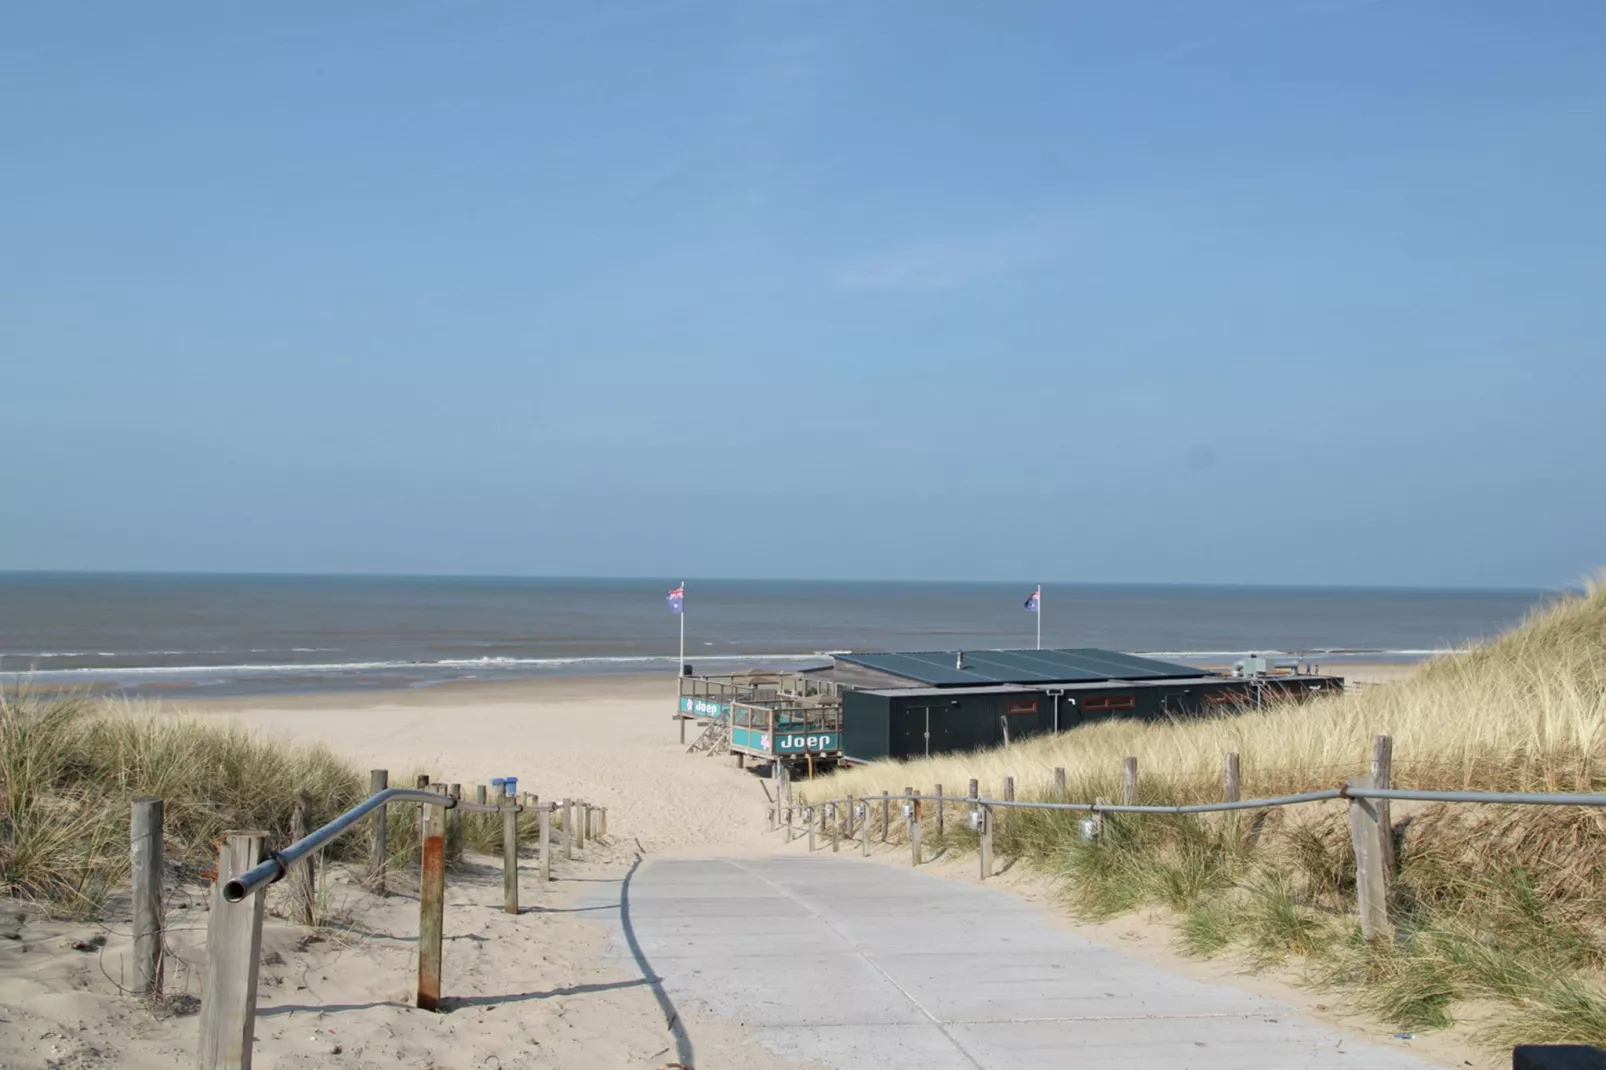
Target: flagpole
point(1039, 616)
point(680, 666)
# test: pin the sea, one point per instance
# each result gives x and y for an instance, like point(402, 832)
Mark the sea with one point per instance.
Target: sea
point(256, 634)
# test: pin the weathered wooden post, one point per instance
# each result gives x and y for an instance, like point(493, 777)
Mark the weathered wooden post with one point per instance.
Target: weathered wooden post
point(379, 849)
point(1060, 792)
point(510, 850)
point(233, 952)
point(1234, 784)
point(1129, 780)
point(568, 829)
point(1383, 777)
point(602, 827)
point(808, 822)
point(546, 842)
point(147, 858)
point(479, 794)
point(303, 880)
point(422, 784)
point(936, 789)
point(864, 829)
point(911, 817)
point(986, 849)
point(886, 815)
point(454, 826)
point(851, 817)
point(431, 906)
point(836, 830)
point(1366, 835)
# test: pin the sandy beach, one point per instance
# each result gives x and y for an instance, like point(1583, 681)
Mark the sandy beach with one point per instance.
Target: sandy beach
point(543, 989)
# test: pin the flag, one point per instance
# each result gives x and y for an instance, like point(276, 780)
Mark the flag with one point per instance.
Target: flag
point(1034, 603)
point(677, 599)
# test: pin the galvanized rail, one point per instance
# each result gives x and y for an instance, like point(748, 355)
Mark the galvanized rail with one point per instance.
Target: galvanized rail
point(278, 863)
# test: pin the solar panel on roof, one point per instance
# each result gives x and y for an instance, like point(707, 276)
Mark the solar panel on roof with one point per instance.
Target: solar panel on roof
point(937, 668)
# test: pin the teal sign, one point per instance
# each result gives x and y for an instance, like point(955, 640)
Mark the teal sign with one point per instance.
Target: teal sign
point(703, 707)
point(799, 742)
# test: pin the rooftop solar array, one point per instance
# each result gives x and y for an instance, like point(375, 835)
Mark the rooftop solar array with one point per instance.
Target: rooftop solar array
point(937, 668)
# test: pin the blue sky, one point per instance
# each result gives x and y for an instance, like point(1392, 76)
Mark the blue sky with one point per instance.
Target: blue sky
point(1260, 291)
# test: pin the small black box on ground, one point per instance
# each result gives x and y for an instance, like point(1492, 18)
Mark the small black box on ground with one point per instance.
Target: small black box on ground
point(1557, 1057)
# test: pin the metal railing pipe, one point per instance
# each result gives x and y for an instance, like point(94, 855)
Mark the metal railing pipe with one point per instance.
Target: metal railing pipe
point(1512, 797)
point(278, 863)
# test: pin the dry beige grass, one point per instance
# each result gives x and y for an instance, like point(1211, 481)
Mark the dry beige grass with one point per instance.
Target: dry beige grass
point(1527, 711)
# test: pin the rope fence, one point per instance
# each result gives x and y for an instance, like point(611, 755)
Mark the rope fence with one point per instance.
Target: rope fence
point(1368, 796)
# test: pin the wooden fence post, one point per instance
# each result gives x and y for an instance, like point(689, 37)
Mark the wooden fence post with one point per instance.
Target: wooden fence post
point(974, 790)
point(886, 815)
point(147, 860)
point(1383, 777)
point(454, 826)
point(937, 791)
point(986, 848)
point(303, 879)
point(604, 827)
point(510, 851)
point(568, 829)
point(1234, 785)
point(546, 842)
point(808, 822)
point(1009, 789)
point(1366, 835)
point(1060, 792)
point(914, 828)
point(431, 907)
point(379, 849)
point(864, 830)
point(1129, 780)
point(233, 952)
point(852, 816)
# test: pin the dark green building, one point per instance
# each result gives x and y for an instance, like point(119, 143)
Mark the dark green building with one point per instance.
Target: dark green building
point(932, 702)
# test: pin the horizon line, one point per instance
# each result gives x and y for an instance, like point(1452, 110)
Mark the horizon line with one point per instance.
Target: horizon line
point(1576, 587)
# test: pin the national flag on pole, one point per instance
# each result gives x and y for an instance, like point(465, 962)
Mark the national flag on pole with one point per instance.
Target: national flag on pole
point(677, 599)
point(1034, 603)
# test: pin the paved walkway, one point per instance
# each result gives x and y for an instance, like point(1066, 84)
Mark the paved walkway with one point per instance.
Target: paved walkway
point(860, 965)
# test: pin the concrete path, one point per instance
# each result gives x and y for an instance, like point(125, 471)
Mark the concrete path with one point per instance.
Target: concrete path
point(859, 965)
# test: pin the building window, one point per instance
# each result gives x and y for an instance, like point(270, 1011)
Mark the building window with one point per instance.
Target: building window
point(1101, 703)
point(1022, 708)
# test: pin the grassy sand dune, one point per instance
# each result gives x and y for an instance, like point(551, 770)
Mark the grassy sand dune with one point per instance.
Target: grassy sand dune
point(70, 765)
point(1497, 907)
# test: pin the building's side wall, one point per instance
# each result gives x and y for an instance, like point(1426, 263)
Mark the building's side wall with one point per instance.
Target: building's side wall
point(864, 725)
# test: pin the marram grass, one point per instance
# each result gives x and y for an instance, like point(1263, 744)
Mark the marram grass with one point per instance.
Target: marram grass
point(71, 764)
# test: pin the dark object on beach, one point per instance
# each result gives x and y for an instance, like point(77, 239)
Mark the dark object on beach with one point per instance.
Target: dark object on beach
point(685, 668)
point(1557, 1057)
